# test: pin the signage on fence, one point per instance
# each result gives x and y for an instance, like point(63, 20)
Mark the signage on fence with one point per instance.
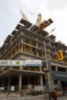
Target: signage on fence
point(12, 88)
point(21, 63)
point(33, 63)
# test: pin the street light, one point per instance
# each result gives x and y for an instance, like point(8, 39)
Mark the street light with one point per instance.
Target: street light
point(50, 32)
point(47, 66)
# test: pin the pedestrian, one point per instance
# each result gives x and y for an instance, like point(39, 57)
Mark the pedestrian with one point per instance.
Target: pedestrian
point(54, 95)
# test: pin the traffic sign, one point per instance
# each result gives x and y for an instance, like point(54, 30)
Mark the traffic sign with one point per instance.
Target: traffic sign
point(60, 55)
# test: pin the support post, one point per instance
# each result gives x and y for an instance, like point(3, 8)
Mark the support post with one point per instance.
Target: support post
point(9, 84)
point(41, 80)
point(20, 81)
point(41, 77)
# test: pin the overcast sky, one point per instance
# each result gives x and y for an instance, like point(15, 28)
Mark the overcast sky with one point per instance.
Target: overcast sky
point(55, 9)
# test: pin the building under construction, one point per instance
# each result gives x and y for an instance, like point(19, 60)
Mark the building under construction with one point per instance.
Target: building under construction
point(27, 42)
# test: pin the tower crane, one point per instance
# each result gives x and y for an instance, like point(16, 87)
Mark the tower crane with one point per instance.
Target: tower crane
point(40, 24)
point(43, 24)
point(38, 21)
point(23, 15)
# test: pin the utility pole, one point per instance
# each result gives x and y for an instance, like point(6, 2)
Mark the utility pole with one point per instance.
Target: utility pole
point(47, 65)
point(48, 73)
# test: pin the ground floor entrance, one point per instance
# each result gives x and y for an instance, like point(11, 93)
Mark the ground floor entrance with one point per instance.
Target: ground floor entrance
point(17, 81)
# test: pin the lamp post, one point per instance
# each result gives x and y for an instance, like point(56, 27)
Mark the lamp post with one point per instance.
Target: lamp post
point(47, 66)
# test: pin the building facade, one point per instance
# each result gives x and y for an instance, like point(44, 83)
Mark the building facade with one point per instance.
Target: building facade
point(27, 42)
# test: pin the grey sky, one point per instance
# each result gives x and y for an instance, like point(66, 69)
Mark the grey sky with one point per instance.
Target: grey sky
point(55, 9)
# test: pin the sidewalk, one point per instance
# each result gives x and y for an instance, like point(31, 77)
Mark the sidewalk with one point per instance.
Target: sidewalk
point(19, 97)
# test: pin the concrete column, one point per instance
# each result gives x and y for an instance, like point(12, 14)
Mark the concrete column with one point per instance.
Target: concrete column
point(41, 77)
point(56, 68)
point(41, 80)
point(22, 45)
point(9, 78)
point(37, 46)
point(20, 81)
point(40, 68)
point(22, 48)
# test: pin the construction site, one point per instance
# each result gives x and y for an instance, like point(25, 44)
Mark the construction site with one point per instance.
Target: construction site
point(32, 42)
